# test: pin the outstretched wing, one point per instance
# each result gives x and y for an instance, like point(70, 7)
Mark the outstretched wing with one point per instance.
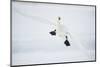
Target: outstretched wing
point(34, 17)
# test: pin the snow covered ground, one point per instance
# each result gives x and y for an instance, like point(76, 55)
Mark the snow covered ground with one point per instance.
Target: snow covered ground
point(51, 50)
point(41, 57)
point(32, 43)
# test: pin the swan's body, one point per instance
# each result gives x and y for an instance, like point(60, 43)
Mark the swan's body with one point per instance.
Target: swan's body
point(59, 31)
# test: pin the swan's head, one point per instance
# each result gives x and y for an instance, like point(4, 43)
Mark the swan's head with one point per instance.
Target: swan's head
point(59, 18)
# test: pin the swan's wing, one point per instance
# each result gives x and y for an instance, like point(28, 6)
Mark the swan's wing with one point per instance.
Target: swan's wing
point(66, 31)
point(34, 17)
point(80, 45)
point(74, 40)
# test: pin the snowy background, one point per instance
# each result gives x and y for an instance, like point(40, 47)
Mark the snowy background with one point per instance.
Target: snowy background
point(32, 43)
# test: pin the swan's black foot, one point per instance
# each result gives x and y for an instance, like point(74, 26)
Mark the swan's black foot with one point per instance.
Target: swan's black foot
point(67, 43)
point(53, 32)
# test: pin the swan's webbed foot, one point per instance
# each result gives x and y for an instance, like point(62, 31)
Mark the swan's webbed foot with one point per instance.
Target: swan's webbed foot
point(53, 32)
point(67, 43)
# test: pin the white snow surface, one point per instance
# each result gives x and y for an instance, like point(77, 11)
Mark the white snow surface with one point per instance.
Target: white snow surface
point(32, 43)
